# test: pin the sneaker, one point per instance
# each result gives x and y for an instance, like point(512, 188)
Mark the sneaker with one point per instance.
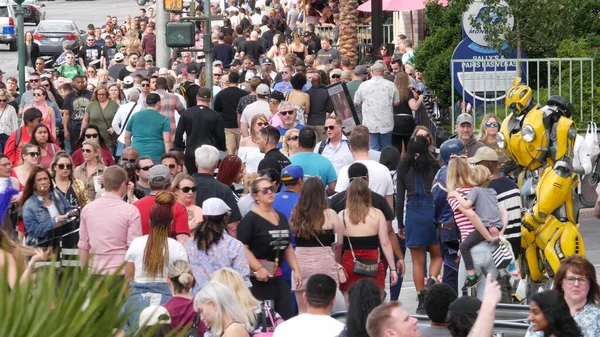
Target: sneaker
point(430, 282)
point(472, 281)
point(421, 306)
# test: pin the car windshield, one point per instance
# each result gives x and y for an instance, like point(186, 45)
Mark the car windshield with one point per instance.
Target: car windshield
point(3, 11)
point(28, 2)
point(45, 27)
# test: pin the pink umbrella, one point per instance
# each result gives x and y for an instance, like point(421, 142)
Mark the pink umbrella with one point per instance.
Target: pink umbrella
point(401, 5)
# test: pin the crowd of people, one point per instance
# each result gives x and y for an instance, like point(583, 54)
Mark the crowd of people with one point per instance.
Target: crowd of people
point(249, 216)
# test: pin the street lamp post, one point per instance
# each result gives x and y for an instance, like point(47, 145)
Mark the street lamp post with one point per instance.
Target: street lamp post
point(21, 45)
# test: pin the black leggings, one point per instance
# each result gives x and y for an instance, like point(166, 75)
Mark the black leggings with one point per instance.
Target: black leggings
point(398, 140)
point(472, 240)
point(275, 289)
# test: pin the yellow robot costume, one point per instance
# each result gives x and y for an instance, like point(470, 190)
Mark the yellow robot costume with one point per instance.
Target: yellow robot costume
point(542, 138)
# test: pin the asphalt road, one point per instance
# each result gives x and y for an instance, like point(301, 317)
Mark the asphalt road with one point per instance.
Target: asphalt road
point(81, 12)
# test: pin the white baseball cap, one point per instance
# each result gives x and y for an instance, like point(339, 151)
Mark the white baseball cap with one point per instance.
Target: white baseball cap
point(214, 207)
point(154, 315)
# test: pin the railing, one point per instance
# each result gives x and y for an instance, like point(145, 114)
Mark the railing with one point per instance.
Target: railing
point(572, 78)
point(364, 33)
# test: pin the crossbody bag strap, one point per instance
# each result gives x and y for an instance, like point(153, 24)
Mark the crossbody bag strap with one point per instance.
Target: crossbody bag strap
point(349, 241)
point(322, 245)
point(127, 119)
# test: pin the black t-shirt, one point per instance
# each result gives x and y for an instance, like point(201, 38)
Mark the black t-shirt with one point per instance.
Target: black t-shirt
point(265, 240)
point(269, 35)
point(89, 54)
point(274, 159)
point(115, 70)
point(224, 53)
point(338, 204)
point(404, 123)
point(228, 31)
point(109, 53)
point(226, 102)
point(124, 73)
point(252, 49)
point(312, 48)
point(238, 42)
point(208, 187)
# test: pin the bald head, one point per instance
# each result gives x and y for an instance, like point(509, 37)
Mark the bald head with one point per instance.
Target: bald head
point(316, 79)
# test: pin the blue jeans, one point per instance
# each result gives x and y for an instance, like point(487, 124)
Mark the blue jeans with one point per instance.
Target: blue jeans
point(449, 254)
point(395, 289)
point(380, 141)
point(141, 296)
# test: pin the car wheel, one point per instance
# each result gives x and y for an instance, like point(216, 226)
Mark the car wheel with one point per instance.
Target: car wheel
point(12, 46)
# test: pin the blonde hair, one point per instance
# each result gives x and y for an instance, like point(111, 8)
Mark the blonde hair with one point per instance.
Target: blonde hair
point(225, 303)
point(458, 174)
point(180, 274)
point(401, 81)
point(96, 147)
point(482, 130)
point(248, 179)
point(232, 280)
point(286, 149)
point(480, 176)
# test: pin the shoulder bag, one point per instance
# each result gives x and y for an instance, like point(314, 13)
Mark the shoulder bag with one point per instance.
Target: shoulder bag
point(126, 120)
point(362, 266)
point(193, 331)
point(341, 272)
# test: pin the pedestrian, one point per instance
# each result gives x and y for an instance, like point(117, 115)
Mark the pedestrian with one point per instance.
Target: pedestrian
point(464, 130)
point(220, 311)
point(42, 103)
point(268, 138)
point(104, 237)
point(363, 297)
point(225, 103)
point(249, 150)
point(550, 314)
point(404, 122)
point(148, 258)
point(91, 171)
point(315, 227)
point(212, 248)
point(42, 138)
point(261, 106)
point(415, 176)
point(92, 134)
point(391, 319)
point(64, 180)
point(200, 125)
point(169, 103)
point(266, 236)
point(184, 187)
point(313, 164)
point(437, 302)
point(290, 142)
point(152, 130)
point(231, 173)
point(122, 117)
point(74, 111)
point(321, 106)
point(8, 118)
point(101, 112)
point(181, 304)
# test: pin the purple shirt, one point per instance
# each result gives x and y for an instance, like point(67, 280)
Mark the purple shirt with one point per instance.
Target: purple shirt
point(108, 225)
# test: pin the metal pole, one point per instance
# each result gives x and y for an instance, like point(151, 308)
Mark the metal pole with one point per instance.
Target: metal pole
point(377, 23)
point(192, 13)
point(21, 48)
point(162, 51)
point(208, 55)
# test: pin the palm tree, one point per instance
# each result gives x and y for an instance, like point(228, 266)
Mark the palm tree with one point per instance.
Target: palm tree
point(348, 26)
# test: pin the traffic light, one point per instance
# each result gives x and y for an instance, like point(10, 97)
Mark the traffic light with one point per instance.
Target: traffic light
point(181, 34)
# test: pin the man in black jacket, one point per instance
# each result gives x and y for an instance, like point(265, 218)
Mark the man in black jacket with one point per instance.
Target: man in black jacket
point(202, 126)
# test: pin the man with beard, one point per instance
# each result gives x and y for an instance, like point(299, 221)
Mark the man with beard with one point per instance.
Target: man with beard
point(464, 130)
point(108, 51)
point(74, 110)
point(90, 52)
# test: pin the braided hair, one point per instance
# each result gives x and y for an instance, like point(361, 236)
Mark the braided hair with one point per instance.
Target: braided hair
point(156, 253)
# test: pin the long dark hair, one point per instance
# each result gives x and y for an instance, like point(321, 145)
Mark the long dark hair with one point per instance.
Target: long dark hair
point(28, 188)
point(100, 139)
point(308, 216)
point(556, 311)
point(417, 158)
point(210, 231)
point(35, 128)
point(363, 297)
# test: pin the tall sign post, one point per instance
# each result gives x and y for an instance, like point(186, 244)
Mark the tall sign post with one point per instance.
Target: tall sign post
point(21, 45)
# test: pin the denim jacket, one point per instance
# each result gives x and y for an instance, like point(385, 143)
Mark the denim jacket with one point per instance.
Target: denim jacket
point(37, 217)
point(443, 212)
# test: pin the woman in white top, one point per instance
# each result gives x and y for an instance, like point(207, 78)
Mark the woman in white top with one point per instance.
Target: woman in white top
point(219, 309)
point(249, 151)
point(148, 258)
point(8, 118)
point(122, 117)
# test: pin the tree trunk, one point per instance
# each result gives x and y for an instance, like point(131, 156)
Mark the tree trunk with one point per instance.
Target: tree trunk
point(348, 30)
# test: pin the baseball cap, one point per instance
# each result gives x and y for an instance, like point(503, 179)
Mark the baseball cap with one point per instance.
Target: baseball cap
point(192, 69)
point(361, 70)
point(154, 315)
point(214, 207)
point(119, 57)
point(466, 306)
point(204, 93)
point(148, 58)
point(152, 98)
point(277, 95)
point(267, 61)
point(483, 153)
point(464, 118)
point(336, 71)
point(217, 63)
point(1, 72)
point(307, 34)
point(128, 80)
point(159, 173)
point(263, 90)
point(292, 173)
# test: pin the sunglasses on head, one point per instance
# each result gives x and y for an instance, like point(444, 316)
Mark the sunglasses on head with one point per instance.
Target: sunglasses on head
point(86, 150)
point(492, 124)
point(188, 189)
point(266, 190)
point(64, 166)
point(330, 127)
point(91, 135)
point(285, 113)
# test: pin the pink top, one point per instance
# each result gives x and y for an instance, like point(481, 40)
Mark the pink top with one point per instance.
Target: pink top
point(107, 235)
point(52, 149)
point(275, 120)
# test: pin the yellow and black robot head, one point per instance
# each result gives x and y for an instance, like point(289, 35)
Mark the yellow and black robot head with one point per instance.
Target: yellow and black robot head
point(518, 96)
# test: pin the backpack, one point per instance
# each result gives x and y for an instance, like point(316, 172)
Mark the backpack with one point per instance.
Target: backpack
point(78, 68)
point(183, 91)
point(324, 143)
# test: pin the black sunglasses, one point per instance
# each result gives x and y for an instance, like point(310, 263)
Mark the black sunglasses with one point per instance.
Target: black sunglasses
point(86, 150)
point(285, 113)
point(171, 166)
point(91, 135)
point(146, 168)
point(34, 154)
point(64, 166)
point(293, 138)
point(266, 190)
point(188, 189)
point(131, 160)
point(330, 127)
point(336, 76)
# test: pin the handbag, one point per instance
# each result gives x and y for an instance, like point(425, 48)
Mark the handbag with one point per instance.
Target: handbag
point(363, 266)
point(271, 266)
point(341, 272)
point(502, 255)
point(591, 139)
point(266, 330)
point(193, 331)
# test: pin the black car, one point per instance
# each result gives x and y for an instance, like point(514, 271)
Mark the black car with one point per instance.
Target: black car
point(34, 11)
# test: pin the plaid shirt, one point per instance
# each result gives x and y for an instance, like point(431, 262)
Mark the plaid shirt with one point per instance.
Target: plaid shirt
point(168, 104)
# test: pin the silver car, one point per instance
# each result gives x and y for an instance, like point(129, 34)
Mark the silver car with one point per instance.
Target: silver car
point(50, 35)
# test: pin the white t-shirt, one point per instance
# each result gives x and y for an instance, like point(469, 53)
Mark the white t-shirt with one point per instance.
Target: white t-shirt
point(254, 109)
point(380, 179)
point(135, 254)
point(309, 325)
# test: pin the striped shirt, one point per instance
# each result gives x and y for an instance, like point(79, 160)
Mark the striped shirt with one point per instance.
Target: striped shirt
point(463, 223)
point(509, 198)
